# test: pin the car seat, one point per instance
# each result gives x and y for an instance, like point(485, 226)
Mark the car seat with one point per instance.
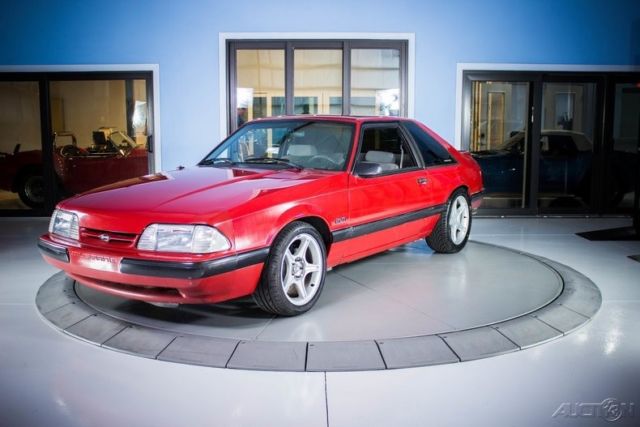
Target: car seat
point(384, 158)
point(300, 152)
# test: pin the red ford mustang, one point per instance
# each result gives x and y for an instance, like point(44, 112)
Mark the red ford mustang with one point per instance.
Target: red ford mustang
point(268, 212)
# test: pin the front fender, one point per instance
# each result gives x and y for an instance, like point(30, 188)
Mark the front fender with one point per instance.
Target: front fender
point(295, 213)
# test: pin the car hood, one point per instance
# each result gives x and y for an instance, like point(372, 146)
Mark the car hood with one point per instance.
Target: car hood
point(192, 194)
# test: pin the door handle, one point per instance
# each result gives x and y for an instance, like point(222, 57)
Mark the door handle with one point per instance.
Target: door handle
point(422, 180)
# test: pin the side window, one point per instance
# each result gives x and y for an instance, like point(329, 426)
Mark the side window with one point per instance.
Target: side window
point(432, 152)
point(558, 146)
point(386, 146)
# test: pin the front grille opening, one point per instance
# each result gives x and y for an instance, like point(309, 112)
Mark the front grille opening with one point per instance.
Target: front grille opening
point(107, 238)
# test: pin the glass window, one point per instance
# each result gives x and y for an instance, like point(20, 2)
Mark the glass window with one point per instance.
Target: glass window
point(623, 163)
point(298, 77)
point(100, 132)
point(317, 76)
point(260, 84)
point(21, 176)
point(387, 147)
point(300, 143)
point(433, 153)
point(375, 82)
point(566, 150)
point(498, 140)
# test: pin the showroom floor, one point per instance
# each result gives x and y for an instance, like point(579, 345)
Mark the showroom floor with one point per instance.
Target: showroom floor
point(48, 378)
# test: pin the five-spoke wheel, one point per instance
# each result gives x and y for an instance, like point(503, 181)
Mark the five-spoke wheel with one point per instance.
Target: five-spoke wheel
point(302, 269)
point(452, 230)
point(295, 271)
point(459, 219)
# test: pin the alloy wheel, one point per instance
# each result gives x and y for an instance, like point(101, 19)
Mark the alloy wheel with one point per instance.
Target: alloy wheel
point(302, 268)
point(459, 219)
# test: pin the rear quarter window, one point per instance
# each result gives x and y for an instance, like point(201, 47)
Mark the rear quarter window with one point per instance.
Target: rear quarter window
point(433, 153)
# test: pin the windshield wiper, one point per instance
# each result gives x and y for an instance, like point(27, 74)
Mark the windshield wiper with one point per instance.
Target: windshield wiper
point(278, 160)
point(220, 160)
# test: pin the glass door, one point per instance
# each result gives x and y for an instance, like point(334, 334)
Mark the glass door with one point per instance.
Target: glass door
point(499, 140)
point(568, 134)
point(100, 132)
point(22, 184)
point(623, 163)
point(538, 138)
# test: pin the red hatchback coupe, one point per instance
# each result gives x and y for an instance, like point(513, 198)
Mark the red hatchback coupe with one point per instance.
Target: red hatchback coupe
point(268, 212)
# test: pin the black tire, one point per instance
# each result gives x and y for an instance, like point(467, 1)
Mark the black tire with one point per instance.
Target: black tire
point(31, 189)
point(270, 294)
point(440, 239)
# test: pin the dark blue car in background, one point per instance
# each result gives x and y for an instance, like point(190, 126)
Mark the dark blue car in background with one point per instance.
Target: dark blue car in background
point(565, 167)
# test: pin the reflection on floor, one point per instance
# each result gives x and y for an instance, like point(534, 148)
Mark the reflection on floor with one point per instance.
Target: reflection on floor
point(10, 200)
point(47, 378)
point(398, 293)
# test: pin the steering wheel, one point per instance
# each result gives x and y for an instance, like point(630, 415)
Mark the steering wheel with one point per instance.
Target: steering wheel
point(323, 161)
point(70, 151)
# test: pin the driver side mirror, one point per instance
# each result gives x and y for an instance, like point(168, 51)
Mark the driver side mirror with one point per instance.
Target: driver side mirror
point(368, 169)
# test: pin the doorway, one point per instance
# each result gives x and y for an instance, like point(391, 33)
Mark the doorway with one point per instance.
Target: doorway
point(553, 143)
point(65, 133)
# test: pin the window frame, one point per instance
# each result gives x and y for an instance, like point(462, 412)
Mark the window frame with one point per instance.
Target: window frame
point(403, 134)
point(289, 46)
point(416, 144)
point(43, 76)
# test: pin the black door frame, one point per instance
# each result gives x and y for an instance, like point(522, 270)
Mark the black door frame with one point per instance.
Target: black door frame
point(612, 80)
point(603, 126)
point(534, 108)
point(43, 78)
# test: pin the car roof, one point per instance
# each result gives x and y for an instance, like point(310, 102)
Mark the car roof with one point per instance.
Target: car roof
point(336, 118)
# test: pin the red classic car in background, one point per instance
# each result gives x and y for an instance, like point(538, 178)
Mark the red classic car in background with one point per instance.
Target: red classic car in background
point(267, 212)
point(112, 157)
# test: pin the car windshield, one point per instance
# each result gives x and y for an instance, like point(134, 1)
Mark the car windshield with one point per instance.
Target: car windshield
point(296, 143)
point(122, 141)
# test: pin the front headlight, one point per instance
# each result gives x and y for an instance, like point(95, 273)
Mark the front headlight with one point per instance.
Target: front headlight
point(64, 224)
point(197, 239)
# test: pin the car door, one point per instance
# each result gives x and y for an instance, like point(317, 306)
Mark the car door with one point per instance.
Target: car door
point(381, 204)
point(438, 164)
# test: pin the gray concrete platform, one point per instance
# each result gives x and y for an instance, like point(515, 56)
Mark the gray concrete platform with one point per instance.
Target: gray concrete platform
point(403, 308)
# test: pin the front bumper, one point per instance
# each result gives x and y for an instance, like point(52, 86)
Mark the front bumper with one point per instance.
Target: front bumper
point(174, 281)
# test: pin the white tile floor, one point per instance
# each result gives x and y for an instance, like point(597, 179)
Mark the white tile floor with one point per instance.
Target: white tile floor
point(47, 378)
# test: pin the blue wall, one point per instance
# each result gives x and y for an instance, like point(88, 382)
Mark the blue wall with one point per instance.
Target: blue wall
point(182, 37)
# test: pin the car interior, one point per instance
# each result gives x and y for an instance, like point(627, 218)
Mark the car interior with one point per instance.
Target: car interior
point(386, 148)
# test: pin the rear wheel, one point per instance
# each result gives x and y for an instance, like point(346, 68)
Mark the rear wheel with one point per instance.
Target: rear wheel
point(451, 232)
point(295, 271)
point(31, 189)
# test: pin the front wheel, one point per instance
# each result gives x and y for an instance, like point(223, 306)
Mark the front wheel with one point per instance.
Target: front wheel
point(294, 273)
point(451, 232)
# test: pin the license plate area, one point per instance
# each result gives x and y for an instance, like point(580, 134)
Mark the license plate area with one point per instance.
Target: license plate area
point(99, 262)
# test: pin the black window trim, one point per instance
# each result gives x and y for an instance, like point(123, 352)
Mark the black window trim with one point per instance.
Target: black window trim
point(416, 146)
